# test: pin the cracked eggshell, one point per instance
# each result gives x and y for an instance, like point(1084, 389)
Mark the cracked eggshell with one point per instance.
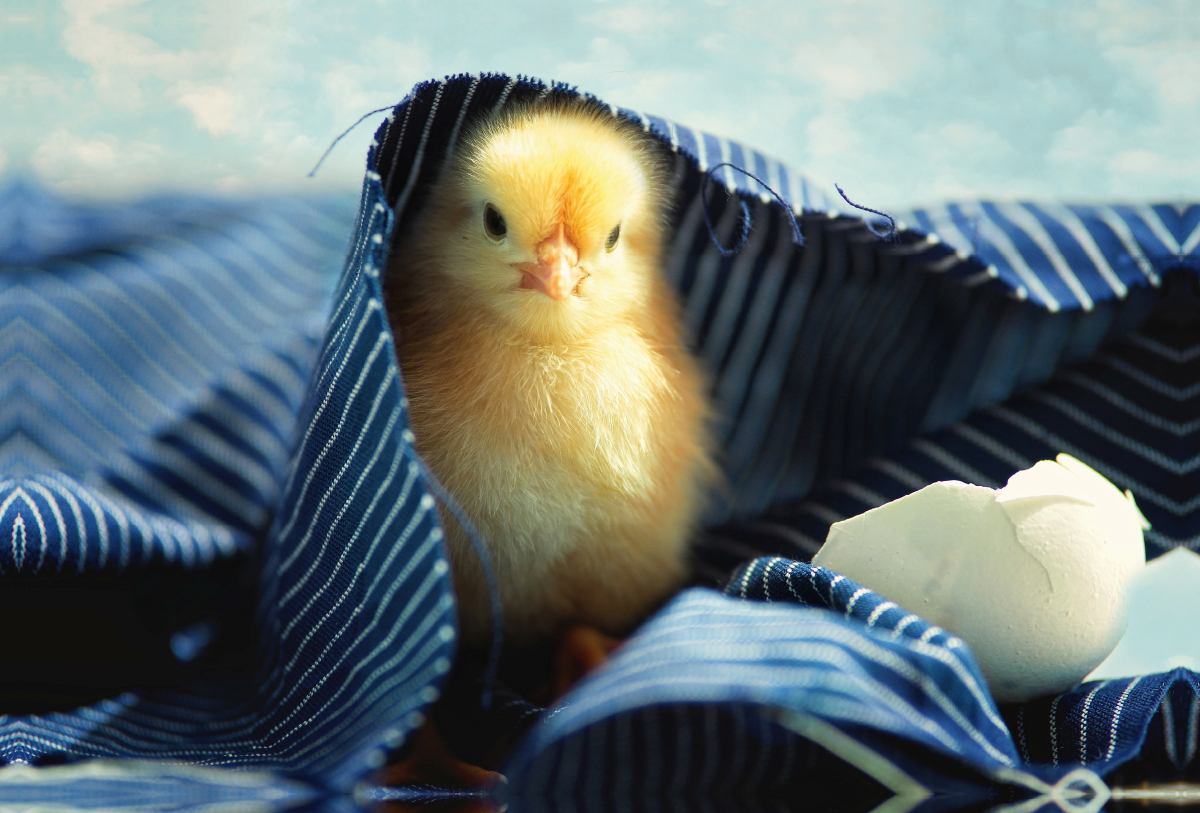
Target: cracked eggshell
point(1032, 576)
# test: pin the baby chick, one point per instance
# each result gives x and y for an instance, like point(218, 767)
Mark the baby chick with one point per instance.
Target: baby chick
point(548, 386)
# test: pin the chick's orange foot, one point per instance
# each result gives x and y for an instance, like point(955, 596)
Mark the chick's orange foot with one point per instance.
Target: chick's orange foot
point(426, 760)
point(463, 743)
point(580, 650)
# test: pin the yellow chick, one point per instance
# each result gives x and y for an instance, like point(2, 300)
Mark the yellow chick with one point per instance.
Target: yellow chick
point(549, 388)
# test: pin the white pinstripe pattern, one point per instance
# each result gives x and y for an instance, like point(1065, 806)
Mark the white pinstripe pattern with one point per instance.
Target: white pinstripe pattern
point(1120, 228)
point(1068, 219)
point(1116, 717)
point(701, 148)
point(1179, 429)
point(949, 229)
point(379, 345)
point(399, 646)
point(308, 481)
point(354, 610)
point(672, 135)
point(863, 648)
point(414, 171)
point(1142, 450)
point(629, 682)
point(1020, 216)
point(387, 184)
point(996, 236)
point(1068, 263)
point(1171, 354)
point(1117, 477)
point(959, 467)
point(731, 181)
point(1083, 721)
point(1189, 244)
point(1149, 381)
point(1152, 221)
point(452, 141)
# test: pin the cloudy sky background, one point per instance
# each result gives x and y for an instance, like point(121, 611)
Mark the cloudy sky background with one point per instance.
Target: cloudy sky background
point(902, 102)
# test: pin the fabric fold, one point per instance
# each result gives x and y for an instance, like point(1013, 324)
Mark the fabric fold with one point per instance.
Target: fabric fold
point(191, 383)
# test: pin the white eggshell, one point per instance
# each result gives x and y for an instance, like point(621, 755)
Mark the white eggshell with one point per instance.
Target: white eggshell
point(1032, 576)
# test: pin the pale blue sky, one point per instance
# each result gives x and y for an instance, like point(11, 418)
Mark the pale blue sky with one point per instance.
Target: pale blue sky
point(901, 102)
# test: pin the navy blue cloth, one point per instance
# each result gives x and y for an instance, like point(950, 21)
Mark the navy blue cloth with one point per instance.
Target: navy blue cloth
point(1102, 725)
point(190, 384)
point(826, 360)
point(195, 389)
point(1127, 411)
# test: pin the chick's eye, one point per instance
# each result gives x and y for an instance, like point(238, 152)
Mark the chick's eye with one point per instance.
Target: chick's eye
point(611, 242)
point(493, 222)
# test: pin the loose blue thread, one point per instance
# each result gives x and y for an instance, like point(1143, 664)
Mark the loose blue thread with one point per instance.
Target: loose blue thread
point(329, 149)
point(489, 575)
point(748, 220)
point(887, 235)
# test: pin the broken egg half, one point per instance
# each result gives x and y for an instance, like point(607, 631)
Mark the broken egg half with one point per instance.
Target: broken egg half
point(1033, 576)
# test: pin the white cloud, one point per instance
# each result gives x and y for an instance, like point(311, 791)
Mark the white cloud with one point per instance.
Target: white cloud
point(604, 56)
point(898, 102)
point(29, 84)
point(1178, 79)
point(1139, 162)
point(91, 8)
point(850, 55)
point(968, 146)
point(1175, 177)
point(232, 184)
point(102, 163)
point(1087, 141)
point(632, 19)
point(121, 61)
point(212, 106)
point(11, 19)
point(1167, 25)
point(351, 87)
point(832, 135)
point(223, 77)
point(3, 160)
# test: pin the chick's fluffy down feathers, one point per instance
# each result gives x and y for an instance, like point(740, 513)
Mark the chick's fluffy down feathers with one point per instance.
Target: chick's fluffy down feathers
point(570, 427)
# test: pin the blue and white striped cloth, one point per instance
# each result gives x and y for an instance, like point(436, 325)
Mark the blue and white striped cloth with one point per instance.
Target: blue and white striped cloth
point(188, 382)
point(179, 393)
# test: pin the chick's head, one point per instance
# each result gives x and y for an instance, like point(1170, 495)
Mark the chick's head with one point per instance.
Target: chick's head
point(556, 217)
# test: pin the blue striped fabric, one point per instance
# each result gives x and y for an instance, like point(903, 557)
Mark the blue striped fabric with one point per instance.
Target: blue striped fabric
point(186, 385)
point(150, 787)
point(1129, 411)
point(825, 359)
point(150, 385)
point(1135, 729)
point(897, 679)
point(822, 357)
point(1101, 725)
point(183, 395)
point(1066, 257)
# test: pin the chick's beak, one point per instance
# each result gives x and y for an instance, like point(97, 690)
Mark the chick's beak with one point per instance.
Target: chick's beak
point(557, 271)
